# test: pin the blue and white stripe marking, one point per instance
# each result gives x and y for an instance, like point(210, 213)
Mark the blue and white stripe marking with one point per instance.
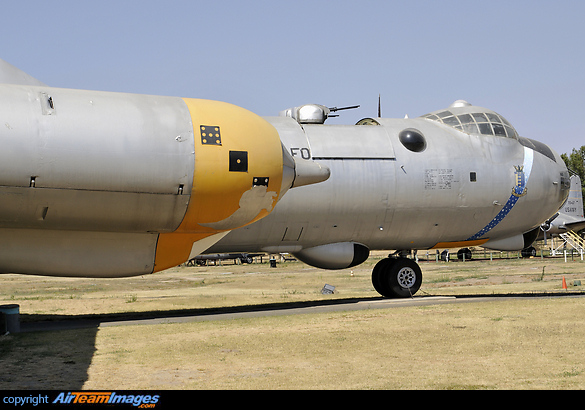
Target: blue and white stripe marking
point(522, 175)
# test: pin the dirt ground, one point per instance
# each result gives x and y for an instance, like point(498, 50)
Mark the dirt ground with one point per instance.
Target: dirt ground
point(518, 344)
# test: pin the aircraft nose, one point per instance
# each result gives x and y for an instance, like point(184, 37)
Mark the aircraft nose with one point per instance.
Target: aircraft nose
point(559, 168)
point(564, 179)
point(551, 177)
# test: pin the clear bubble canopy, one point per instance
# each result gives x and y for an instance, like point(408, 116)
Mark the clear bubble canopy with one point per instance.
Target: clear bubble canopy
point(470, 119)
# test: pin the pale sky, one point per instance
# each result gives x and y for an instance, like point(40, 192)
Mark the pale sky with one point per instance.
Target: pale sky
point(523, 59)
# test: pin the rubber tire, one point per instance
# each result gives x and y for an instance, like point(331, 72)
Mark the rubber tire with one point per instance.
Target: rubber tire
point(386, 281)
point(528, 252)
point(467, 252)
point(378, 273)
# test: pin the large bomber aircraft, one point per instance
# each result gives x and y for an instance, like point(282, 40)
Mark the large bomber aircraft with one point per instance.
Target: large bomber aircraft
point(456, 177)
point(99, 184)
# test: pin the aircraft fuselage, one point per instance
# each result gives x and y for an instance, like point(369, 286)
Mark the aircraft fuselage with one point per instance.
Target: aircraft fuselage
point(461, 188)
point(98, 184)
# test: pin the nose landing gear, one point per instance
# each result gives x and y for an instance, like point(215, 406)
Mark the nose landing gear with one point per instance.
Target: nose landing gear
point(397, 277)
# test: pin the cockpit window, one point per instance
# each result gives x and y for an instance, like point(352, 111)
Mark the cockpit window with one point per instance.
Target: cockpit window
point(479, 117)
point(485, 123)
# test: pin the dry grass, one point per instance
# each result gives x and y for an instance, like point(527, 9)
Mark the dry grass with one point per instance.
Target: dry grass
point(517, 344)
point(504, 345)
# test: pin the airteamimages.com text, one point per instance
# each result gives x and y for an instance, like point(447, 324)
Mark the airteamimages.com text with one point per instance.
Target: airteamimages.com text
point(143, 401)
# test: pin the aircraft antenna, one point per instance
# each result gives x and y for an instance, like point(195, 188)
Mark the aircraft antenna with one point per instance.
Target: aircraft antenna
point(379, 107)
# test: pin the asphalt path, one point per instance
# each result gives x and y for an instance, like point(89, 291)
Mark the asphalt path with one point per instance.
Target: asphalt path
point(30, 323)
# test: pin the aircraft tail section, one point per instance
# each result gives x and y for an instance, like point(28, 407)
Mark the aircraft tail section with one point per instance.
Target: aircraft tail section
point(12, 75)
point(574, 204)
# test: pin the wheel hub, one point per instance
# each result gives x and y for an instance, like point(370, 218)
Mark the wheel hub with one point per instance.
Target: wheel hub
point(406, 277)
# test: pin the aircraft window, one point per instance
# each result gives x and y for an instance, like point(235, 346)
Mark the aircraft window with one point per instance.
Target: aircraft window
point(510, 131)
point(451, 121)
point(493, 117)
point(505, 122)
point(471, 128)
point(499, 129)
point(479, 117)
point(485, 129)
point(466, 119)
point(486, 123)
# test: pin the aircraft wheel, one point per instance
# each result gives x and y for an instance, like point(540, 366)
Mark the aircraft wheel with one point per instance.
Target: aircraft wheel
point(464, 254)
point(378, 274)
point(528, 252)
point(397, 278)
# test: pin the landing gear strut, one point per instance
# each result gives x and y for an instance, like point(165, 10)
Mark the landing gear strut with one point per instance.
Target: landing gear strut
point(397, 277)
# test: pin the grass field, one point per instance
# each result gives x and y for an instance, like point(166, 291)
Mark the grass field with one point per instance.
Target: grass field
point(505, 344)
